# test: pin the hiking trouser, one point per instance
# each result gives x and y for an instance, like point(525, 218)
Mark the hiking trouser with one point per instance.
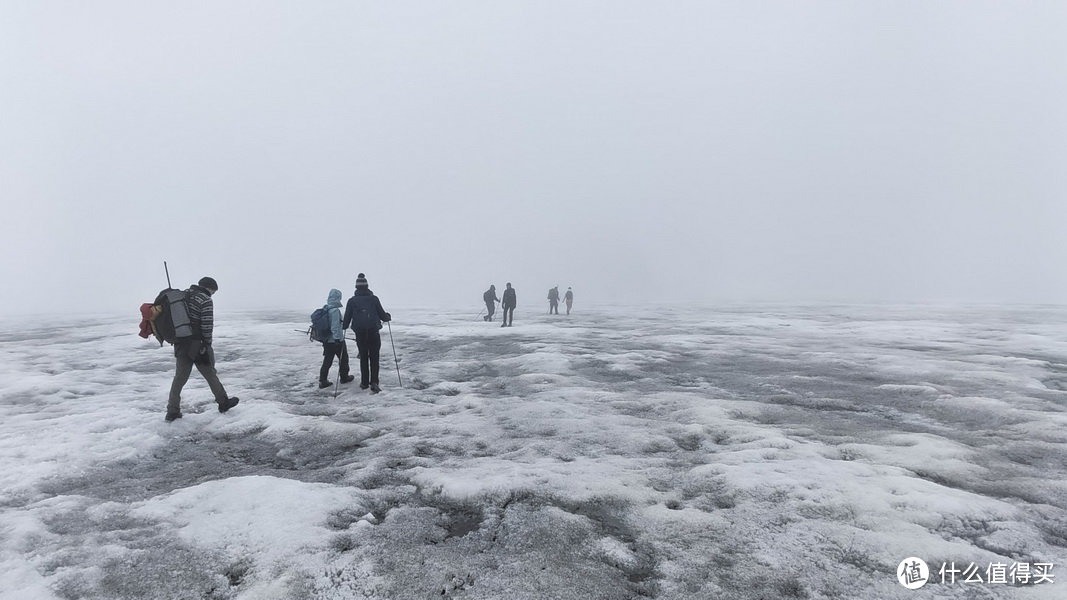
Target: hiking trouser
point(329, 351)
point(509, 314)
point(490, 307)
point(569, 302)
point(187, 355)
point(553, 307)
point(369, 343)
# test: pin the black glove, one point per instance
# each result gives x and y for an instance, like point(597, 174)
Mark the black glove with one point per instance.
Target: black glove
point(207, 355)
point(388, 317)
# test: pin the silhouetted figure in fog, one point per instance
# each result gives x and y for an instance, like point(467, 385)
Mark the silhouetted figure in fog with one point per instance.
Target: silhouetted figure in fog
point(569, 299)
point(553, 300)
point(508, 304)
point(490, 302)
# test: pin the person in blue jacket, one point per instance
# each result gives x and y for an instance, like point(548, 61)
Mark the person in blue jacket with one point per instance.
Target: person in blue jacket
point(364, 313)
point(335, 345)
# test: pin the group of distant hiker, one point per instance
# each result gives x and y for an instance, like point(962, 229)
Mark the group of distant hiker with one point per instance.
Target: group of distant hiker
point(553, 300)
point(508, 303)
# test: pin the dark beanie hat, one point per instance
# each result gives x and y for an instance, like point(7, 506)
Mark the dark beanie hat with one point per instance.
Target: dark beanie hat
point(208, 283)
point(361, 280)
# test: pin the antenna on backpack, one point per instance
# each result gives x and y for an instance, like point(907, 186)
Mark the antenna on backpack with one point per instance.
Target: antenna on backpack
point(167, 271)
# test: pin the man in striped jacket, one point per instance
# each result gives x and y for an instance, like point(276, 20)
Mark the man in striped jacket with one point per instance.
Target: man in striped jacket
point(197, 350)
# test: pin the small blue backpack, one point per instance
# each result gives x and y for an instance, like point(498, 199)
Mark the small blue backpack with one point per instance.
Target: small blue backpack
point(320, 325)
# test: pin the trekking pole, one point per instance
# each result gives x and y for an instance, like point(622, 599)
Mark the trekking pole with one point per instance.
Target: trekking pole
point(394, 354)
point(167, 271)
point(480, 314)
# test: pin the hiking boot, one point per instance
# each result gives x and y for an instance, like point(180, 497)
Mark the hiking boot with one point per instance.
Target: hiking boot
point(228, 404)
point(325, 384)
point(348, 379)
point(374, 389)
point(173, 416)
point(364, 386)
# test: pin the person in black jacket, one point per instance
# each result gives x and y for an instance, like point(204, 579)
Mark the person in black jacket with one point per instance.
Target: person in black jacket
point(508, 304)
point(490, 302)
point(197, 350)
point(364, 313)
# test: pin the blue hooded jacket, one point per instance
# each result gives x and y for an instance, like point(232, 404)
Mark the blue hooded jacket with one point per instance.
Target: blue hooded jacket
point(337, 333)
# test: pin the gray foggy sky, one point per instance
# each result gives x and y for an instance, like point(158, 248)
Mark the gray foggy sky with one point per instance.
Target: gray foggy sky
point(637, 151)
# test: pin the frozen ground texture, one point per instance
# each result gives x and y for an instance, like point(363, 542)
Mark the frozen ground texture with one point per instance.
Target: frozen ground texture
point(616, 453)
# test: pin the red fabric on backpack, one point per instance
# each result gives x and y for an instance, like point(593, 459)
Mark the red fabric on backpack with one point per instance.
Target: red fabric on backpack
point(146, 320)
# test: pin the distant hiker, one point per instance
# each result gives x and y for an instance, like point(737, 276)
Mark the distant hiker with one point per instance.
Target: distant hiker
point(335, 344)
point(508, 304)
point(569, 299)
point(197, 350)
point(553, 300)
point(490, 302)
point(365, 314)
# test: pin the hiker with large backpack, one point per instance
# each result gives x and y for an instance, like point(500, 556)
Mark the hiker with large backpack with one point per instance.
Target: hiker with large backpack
point(364, 313)
point(192, 341)
point(490, 299)
point(326, 328)
point(553, 300)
